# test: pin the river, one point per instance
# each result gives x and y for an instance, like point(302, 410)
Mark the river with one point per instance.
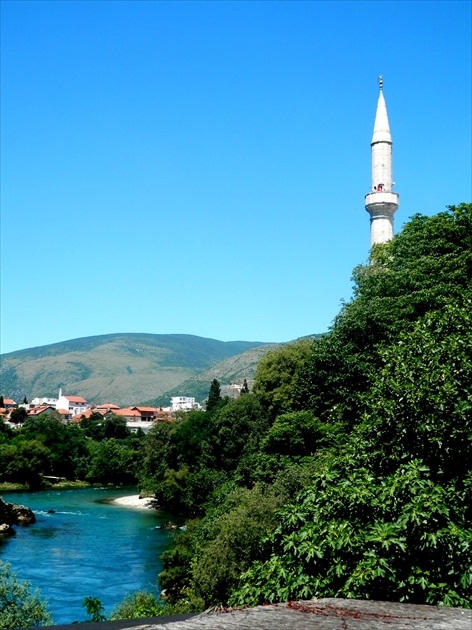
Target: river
point(87, 547)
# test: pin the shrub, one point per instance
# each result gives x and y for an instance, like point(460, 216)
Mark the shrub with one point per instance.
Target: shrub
point(19, 608)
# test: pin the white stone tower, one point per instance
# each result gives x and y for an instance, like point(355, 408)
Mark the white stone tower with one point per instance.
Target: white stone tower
point(381, 203)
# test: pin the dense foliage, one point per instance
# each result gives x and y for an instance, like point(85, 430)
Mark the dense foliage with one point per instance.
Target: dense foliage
point(347, 471)
point(19, 607)
point(375, 417)
point(99, 451)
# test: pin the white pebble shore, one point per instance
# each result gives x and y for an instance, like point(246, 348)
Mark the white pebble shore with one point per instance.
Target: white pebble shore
point(135, 502)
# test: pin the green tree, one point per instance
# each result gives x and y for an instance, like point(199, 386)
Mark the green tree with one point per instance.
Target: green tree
point(93, 426)
point(158, 457)
point(19, 608)
point(389, 518)
point(191, 439)
point(5, 431)
point(239, 428)
point(115, 427)
point(177, 563)
point(94, 609)
point(244, 388)
point(19, 415)
point(234, 544)
point(113, 462)
point(66, 443)
point(214, 395)
point(371, 422)
point(297, 433)
point(420, 404)
point(277, 375)
point(350, 534)
point(25, 461)
point(422, 268)
point(2, 402)
point(138, 605)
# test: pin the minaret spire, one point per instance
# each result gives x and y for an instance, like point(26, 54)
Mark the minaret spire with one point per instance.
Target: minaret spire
point(381, 203)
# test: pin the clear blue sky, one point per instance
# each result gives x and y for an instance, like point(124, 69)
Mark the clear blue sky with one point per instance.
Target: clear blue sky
point(200, 167)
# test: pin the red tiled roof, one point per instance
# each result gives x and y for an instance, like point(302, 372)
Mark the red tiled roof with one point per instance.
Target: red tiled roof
point(128, 412)
point(9, 401)
point(36, 411)
point(87, 414)
point(76, 399)
point(107, 406)
point(145, 409)
point(63, 412)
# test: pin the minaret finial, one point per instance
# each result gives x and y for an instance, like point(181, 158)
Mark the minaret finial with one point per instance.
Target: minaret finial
point(381, 82)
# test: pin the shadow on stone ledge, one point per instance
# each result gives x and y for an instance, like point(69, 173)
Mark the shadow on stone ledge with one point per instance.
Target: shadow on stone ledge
point(321, 614)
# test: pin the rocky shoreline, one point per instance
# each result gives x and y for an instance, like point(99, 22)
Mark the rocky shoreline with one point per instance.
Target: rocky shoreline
point(13, 514)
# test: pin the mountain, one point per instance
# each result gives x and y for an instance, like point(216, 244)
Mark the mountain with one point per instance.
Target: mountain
point(124, 368)
point(233, 370)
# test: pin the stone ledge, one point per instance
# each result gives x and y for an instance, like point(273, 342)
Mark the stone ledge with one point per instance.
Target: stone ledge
point(321, 614)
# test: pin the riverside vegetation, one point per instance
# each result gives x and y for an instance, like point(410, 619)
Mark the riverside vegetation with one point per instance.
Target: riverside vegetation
point(346, 472)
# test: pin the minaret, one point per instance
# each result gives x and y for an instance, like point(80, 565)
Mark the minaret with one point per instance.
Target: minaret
point(381, 203)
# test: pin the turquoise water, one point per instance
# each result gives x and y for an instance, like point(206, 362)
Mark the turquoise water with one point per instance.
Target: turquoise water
point(87, 548)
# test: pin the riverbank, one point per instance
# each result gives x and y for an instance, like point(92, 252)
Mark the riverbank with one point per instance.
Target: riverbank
point(135, 501)
point(60, 485)
point(84, 546)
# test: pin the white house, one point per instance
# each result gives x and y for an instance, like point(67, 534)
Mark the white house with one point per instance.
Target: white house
point(73, 404)
point(39, 402)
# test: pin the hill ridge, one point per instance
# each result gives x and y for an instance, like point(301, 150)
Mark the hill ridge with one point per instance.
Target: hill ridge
point(121, 367)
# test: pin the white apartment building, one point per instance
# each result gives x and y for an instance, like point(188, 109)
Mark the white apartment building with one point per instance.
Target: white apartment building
point(184, 403)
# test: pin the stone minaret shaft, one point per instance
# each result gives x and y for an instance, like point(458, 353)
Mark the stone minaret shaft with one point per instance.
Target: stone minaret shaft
point(381, 203)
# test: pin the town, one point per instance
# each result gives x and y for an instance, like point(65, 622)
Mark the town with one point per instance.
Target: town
point(74, 409)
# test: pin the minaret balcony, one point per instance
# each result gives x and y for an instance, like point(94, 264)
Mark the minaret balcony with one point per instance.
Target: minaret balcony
point(379, 200)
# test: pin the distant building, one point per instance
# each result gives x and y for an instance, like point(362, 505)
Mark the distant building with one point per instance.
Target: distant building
point(37, 402)
point(233, 390)
point(137, 418)
point(66, 415)
point(147, 414)
point(164, 414)
point(106, 408)
point(76, 405)
point(39, 410)
point(9, 403)
point(184, 403)
point(130, 415)
point(139, 424)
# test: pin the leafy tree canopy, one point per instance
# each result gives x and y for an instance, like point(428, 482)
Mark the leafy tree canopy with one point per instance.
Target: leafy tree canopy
point(19, 608)
point(277, 374)
point(424, 267)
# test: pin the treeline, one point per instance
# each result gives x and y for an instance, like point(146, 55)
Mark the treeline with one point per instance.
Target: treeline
point(98, 451)
point(347, 471)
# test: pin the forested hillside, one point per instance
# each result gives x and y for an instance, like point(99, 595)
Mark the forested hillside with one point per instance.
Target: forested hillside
point(345, 472)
